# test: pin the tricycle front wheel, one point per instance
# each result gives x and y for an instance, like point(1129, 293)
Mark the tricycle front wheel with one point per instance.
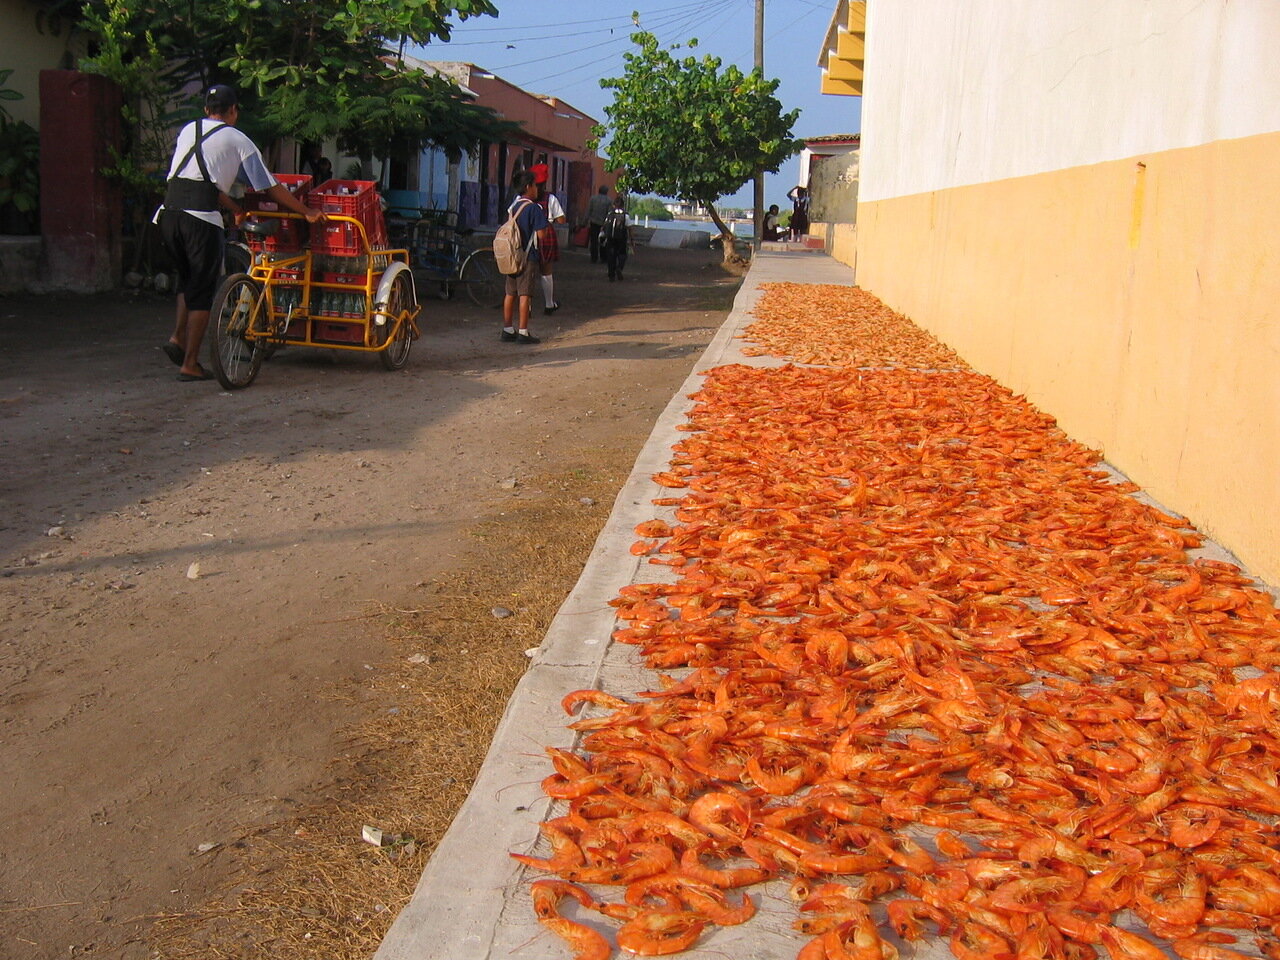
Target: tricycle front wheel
point(400, 303)
point(237, 313)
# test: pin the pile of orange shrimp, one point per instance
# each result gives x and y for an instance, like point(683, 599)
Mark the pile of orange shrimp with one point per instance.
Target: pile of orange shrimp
point(940, 669)
point(840, 326)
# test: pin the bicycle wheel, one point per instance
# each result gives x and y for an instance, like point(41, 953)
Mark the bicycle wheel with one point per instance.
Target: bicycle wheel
point(399, 302)
point(237, 310)
point(237, 258)
point(480, 276)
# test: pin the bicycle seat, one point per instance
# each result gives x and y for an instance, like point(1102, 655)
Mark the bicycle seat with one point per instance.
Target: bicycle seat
point(261, 228)
point(463, 231)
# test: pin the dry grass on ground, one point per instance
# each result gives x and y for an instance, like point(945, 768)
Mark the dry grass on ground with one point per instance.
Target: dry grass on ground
point(843, 327)
point(311, 888)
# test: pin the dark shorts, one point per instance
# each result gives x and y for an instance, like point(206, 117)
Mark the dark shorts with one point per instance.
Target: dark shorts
point(196, 248)
point(525, 283)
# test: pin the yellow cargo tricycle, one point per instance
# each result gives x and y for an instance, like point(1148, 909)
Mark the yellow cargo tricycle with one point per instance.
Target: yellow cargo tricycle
point(344, 293)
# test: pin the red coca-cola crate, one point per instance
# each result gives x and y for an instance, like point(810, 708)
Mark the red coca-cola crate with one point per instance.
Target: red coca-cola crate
point(338, 332)
point(357, 199)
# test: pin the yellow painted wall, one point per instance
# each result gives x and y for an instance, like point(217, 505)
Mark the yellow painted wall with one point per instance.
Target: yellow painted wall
point(839, 239)
point(30, 41)
point(1138, 301)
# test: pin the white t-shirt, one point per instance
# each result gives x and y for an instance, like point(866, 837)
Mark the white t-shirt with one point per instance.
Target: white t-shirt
point(230, 156)
point(554, 209)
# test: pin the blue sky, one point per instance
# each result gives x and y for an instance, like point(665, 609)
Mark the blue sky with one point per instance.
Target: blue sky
point(564, 47)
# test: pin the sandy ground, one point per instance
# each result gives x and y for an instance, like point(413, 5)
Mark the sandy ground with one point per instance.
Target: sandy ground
point(184, 571)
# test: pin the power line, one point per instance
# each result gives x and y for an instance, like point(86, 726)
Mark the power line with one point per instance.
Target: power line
point(574, 23)
point(674, 26)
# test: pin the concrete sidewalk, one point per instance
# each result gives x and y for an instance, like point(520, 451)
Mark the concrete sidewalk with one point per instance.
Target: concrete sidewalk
point(473, 901)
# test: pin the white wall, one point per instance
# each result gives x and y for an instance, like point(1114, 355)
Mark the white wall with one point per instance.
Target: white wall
point(965, 93)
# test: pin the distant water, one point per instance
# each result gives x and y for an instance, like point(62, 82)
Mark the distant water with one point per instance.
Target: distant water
point(743, 230)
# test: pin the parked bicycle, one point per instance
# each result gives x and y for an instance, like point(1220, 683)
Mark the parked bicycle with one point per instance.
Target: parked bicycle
point(442, 252)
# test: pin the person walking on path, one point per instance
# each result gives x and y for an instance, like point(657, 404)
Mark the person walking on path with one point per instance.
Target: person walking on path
point(209, 157)
point(615, 236)
point(548, 244)
point(518, 302)
point(799, 198)
point(597, 209)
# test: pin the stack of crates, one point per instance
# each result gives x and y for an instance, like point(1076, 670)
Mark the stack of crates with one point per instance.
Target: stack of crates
point(288, 238)
point(357, 199)
point(338, 255)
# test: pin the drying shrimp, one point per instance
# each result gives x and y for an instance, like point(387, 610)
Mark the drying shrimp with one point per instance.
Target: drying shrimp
point(636, 861)
point(657, 934)
point(907, 918)
point(586, 943)
point(710, 812)
point(1249, 889)
point(597, 697)
point(1206, 947)
point(973, 941)
point(1123, 945)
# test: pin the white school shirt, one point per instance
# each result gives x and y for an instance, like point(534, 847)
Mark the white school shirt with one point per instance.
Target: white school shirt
point(231, 158)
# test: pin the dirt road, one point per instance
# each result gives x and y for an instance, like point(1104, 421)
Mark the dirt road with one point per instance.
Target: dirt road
point(184, 569)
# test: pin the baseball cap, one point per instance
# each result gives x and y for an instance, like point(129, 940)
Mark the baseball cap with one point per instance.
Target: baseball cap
point(540, 172)
point(219, 97)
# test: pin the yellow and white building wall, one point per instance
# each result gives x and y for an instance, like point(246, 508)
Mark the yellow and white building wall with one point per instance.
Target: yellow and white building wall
point(1083, 199)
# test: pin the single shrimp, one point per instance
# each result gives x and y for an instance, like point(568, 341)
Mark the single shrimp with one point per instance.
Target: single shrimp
point(1074, 925)
point(1123, 945)
point(586, 943)
point(637, 860)
point(565, 852)
point(907, 918)
point(1025, 895)
point(724, 878)
point(1206, 947)
point(1249, 889)
point(722, 815)
point(654, 934)
point(973, 941)
point(1192, 825)
point(598, 697)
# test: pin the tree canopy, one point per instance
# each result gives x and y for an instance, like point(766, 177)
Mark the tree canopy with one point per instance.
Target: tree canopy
point(309, 69)
point(686, 129)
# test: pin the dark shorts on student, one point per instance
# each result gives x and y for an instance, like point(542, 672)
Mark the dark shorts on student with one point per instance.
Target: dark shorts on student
point(524, 283)
point(196, 247)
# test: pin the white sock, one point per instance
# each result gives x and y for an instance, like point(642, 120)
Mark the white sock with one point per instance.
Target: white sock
point(548, 290)
point(508, 329)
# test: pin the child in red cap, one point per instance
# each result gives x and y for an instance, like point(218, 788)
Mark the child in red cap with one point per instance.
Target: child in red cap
point(548, 245)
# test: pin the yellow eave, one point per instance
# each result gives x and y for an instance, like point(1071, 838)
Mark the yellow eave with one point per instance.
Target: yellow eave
point(843, 49)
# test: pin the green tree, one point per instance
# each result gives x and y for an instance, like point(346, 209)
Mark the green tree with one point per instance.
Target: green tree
point(727, 125)
point(650, 207)
point(309, 69)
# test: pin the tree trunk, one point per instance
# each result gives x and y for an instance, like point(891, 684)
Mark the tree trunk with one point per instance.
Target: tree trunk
point(727, 239)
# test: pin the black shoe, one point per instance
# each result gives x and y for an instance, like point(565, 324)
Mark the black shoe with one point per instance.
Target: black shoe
point(527, 338)
point(509, 337)
point(550, 310)
point(611, 278)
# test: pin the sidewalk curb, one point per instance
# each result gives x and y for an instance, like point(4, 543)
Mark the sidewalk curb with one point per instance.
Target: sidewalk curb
point(458, 907)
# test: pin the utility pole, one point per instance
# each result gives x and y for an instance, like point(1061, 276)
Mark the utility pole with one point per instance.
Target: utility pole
point(759, 185)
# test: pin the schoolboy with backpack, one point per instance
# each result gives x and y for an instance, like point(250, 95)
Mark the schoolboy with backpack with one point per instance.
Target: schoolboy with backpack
point(515, 248)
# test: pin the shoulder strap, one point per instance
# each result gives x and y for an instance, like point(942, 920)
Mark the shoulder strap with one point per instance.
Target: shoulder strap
point(197, 148)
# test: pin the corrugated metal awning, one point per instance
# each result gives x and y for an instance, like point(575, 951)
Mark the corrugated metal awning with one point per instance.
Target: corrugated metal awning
point(843, 49)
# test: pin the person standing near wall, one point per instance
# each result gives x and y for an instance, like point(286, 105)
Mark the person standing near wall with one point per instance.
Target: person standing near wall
point(799, 197)
point(597, 210)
